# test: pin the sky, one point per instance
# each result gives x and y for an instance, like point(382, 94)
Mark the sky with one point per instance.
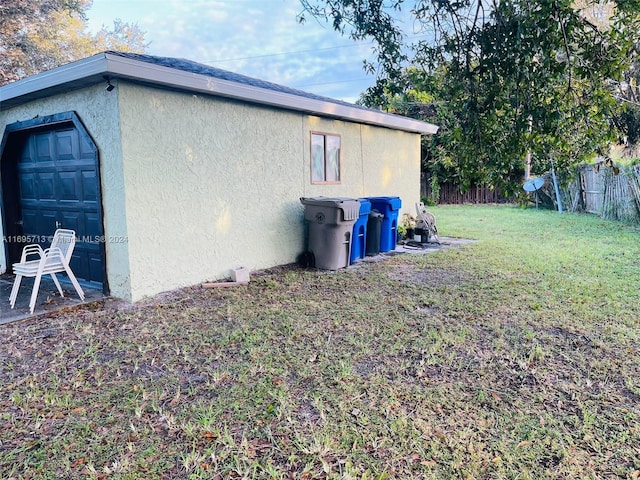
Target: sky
point(258, 38)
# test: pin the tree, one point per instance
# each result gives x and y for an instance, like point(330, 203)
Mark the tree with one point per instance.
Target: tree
point(37, 35)
point(628, 92)
point(507, 77)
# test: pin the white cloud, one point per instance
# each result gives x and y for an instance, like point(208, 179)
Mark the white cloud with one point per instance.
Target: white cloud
point(267, 31)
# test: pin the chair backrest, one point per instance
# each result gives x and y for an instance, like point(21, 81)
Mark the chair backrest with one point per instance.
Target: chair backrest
point(65, 240)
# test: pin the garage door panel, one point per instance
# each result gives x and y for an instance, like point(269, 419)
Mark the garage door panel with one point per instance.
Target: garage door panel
point(95, 266)
point(66, 145)
point(27, 156)
point(30, 221)
point(43, 150)
point(87, 150)
point(38, 222)
point(46, 186)
point(70, 187)
point(89, 186)
point(93, 224)
point(28, 187)
point(60, 188)
point(72, 220)
point(47, 220)
point(79, 264)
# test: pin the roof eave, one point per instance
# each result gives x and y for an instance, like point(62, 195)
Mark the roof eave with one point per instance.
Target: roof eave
point(24, 90)
point(94, 68)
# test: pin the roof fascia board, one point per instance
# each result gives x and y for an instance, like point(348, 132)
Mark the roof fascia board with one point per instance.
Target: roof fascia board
point(158, 74)
point(95, 65)
point(114, 65)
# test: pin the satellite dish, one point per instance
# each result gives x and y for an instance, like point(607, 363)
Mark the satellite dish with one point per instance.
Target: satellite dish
point(533, 185)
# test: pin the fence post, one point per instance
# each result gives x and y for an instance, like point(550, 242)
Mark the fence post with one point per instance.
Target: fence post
point(555, 186)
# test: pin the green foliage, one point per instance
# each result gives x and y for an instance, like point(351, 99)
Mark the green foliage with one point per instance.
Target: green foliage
point(37, 35)
point(429, 202)
point(629, 119)
point(123, 38)
point(505, 78)
point(435, 190)
point(628, 91)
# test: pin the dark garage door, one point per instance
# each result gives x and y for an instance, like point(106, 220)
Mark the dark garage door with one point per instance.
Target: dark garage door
point(58, 186)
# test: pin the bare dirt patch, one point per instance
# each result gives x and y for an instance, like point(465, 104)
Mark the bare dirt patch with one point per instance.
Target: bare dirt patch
point(413, 273)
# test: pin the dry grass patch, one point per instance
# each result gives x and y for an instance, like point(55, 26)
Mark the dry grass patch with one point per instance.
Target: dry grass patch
point(470, 363)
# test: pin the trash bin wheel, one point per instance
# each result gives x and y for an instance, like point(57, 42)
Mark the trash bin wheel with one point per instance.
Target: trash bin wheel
point(307, 260)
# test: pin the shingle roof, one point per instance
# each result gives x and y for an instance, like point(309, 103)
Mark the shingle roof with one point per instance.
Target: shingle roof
point(186, 75)
point(214, 72)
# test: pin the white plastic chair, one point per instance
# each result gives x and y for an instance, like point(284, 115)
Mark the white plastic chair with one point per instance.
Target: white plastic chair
point(54, 259)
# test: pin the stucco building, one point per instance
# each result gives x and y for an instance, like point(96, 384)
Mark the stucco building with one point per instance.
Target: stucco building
point(173, 172)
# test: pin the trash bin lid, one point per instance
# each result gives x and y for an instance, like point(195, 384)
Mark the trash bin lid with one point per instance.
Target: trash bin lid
point(350, 207)
point(393, 203)
point(365, 206)
point(334, 202)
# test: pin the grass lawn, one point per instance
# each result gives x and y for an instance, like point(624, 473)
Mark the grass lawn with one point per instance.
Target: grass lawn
point(513, 357)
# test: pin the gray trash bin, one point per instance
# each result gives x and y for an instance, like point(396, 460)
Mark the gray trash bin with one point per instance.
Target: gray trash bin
point(330, 228)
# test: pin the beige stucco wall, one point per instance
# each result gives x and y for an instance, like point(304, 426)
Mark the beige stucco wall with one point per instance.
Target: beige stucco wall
point(98, 111)
point(210, 185)
point(375, 162)
point(194, 186)
point(396, 165)
point(214, 184)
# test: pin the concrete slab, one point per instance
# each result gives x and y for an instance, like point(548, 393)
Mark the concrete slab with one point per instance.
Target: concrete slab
point(49, 299)
point(445, 242)
point(418, 248)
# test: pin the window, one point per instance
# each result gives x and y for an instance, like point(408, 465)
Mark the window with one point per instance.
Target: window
point(325, 158)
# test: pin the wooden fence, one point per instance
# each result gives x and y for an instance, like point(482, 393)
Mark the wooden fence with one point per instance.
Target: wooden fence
point(611, 193)
point(450, 194)
point(592, 186)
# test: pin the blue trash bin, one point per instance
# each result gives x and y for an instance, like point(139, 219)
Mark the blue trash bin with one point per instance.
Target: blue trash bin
point(359, 237)
point(389, 207)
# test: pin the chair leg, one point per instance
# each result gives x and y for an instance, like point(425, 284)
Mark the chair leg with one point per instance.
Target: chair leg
point(72, 277)
point(14, 290)
point(34, 293)
point(55, 280)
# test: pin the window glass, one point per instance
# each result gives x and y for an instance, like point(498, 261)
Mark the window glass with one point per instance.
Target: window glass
point(333, 158)
point(325, 158)
point(317, 158)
